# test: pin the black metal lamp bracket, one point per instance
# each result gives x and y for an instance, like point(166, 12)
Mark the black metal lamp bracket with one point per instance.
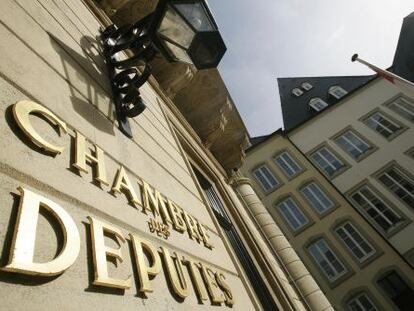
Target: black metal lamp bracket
point(125, 77)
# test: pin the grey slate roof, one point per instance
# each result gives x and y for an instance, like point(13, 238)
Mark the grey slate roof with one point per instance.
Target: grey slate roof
point(296, 110)
point(403, 64)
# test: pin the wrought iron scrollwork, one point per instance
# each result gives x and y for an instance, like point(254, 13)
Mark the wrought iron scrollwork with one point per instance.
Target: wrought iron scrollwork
point(126, 78)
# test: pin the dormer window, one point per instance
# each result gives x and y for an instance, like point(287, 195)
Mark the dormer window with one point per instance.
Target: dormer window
point(297, 92)
point(307, 86)
point(337, 92)
point(317, 104)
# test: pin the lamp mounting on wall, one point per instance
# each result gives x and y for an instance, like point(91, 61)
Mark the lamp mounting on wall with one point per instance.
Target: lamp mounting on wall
point(180, 30)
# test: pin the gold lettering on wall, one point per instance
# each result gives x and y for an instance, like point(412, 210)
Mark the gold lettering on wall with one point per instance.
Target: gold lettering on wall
point(82, 157)
point(101, 252)
point(197, 280)
point(154, 202)
point(123, 184)
point(175, 273)
point(23, 243)
point(176, 213)
point(147, 256)
point(220, 278)
point(22, 111)
point(209, 277)
point(144, 270)
point(172, 215)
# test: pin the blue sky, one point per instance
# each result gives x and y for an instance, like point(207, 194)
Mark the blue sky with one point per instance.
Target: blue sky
point(267, 39)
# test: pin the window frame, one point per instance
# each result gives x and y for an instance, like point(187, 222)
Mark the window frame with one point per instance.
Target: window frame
point(324, 192)
point(401, 126)
point(300, 209)
point(386, 272)
point(356, 296)
point(395, 227)
point(333, 88)
point(278, 180)
point(371, 147)
point(335, 154)
point(403, 172)
point(294, 159)
point(339, 278)
point(390, 103)
point(317, 100)
point(368, 257)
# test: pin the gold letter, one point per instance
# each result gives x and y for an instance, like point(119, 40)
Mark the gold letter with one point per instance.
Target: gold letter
point(176, 213)
point(204, 236)
point(156, 201)
point(81, 157)
point(23, 244)
point(175, 273)
point(198, 282)
point(191, 227)
point(21, 112)
point(226, 289)
point(122, 182)
point(212, 286)
point(145, 271)
point(101, 252)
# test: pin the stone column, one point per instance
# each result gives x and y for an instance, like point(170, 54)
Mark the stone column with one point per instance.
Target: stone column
point(304, 282)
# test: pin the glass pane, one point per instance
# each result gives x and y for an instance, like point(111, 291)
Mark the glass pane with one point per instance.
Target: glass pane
point(175, 29)
point(178, 53)
point(403, 108)
point(196, 15)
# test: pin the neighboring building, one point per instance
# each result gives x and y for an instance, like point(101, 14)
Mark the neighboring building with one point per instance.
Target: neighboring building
point(358, 132)
point(337, 245)
point(93, 220)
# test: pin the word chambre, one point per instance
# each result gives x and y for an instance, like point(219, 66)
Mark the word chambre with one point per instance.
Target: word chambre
point(148, 258)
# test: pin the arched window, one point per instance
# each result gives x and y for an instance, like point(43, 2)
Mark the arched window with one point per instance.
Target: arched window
point(317, 104)
point(337, 92)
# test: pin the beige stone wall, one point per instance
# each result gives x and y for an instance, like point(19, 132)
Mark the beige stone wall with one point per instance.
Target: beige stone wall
point(49, 54)
point(349, 113)
point(359, 278)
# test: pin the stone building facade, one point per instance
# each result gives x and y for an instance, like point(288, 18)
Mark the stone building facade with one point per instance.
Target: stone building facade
point(92, 219)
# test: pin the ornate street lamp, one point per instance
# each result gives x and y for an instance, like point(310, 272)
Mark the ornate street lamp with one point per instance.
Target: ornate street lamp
point(181, 30)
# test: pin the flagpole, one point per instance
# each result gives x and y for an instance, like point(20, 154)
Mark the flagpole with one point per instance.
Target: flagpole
point(407, 87)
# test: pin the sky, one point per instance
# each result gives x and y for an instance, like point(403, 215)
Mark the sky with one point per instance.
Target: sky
point(267, 39)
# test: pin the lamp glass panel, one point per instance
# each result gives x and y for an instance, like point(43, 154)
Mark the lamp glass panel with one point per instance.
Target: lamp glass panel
point(178, 53)
point(196, 14)
point(175, 28)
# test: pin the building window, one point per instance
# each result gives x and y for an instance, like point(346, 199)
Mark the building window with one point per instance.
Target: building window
point(337, 92)
point(353, 144)
point(236, 242)
point(355, 242)
point(382, 125)
point(292, 214)
point(307, 86)
point(361, 302)
point(382, 214)
point(265, 177)
point(397, 290)
point(316, 198)
point(326, 259)
point(297, 92)
point(317, 104)
point(289, 166)
point(403, 107)
point(399, 184)
point(327, 161)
